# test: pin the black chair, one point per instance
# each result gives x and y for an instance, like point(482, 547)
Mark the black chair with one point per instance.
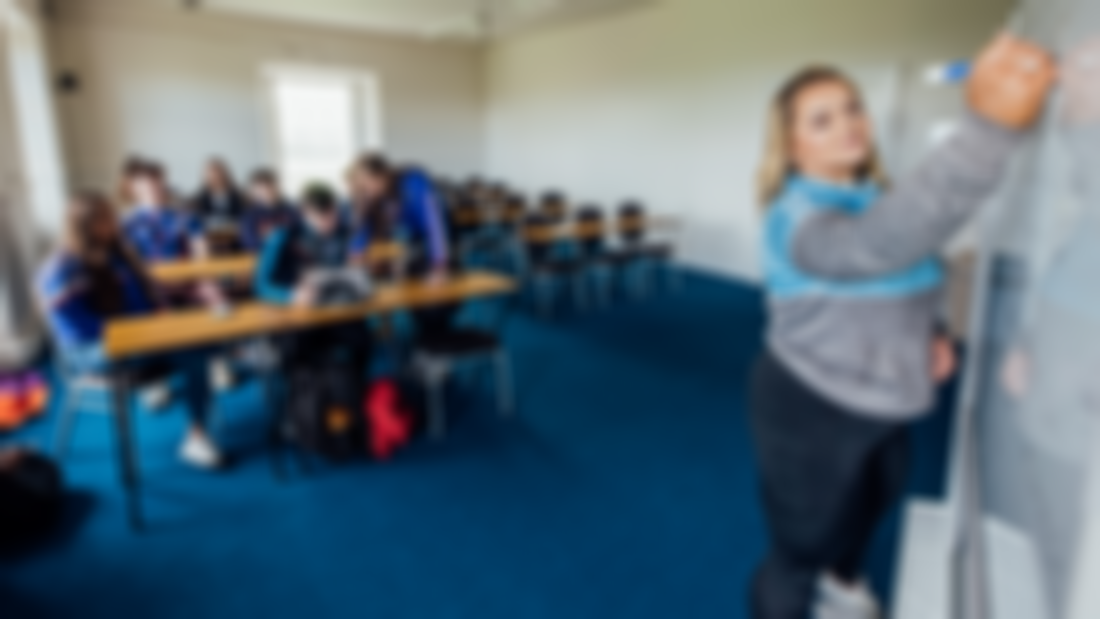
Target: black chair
point(547, 268)
point(491, 241)
point(591, 243)
point(434, 360)
point(636, 251)
point(553, 207)
point(463, 225)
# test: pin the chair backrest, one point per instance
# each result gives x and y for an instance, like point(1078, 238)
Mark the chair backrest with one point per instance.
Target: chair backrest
point(591, 230)
point(553, 206)
point(631, 222)
point(538, 237)
point(515, 209)
point(67, 368)
point(465, 216)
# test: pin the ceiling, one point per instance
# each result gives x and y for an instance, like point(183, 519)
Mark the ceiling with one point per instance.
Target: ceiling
point(473, 19)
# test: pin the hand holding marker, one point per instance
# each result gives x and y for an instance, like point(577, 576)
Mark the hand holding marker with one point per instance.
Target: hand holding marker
point(1008, 84)
point(950, 74)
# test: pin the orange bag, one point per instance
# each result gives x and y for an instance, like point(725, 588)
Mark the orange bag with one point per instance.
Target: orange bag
point(22, 398)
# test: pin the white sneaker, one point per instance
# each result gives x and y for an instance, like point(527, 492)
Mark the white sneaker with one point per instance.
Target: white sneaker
point(200, 452)
point(221, 376)
point(156, 398)
point(836, 600)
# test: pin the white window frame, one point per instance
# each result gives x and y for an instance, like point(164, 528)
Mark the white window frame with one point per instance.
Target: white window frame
point(366, 101)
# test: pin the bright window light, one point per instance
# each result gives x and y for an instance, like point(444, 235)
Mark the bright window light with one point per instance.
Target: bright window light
point(321, 119)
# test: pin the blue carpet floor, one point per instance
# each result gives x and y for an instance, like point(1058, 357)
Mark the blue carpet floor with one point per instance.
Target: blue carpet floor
point(625, 488)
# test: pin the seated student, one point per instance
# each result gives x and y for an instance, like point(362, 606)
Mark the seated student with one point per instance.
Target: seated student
point(96, 277)
point(219, 206)
point(267, 210)
point(131, 168)
point(160, 231)
point(318, 240)
point(156, 229)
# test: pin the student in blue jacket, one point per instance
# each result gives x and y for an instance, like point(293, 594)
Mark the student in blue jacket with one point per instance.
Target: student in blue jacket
point(854, 286)
point(319, 239)
point(96, 277)
point(388, 203)
point(267, 211)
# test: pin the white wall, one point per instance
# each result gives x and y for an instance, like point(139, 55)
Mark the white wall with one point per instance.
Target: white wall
point(667, 103)
point(181, 86)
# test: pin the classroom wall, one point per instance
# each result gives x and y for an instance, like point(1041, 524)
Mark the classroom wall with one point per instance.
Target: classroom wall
point(181, 85)
point(667, 103)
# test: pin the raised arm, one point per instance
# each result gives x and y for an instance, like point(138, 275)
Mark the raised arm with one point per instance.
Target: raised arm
point(1007, 94)
point(917, 217)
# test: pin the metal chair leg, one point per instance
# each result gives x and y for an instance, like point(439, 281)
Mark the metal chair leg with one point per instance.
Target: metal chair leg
point(124, 444)
point(64, 425)
point(437, 422)
point(544, 292)
point(635, 283)
point(593, 287)
point(646, 281)
point(580, 294)
point(607, 281)
point(505, 387)
point(675, 278)
point(276, 438)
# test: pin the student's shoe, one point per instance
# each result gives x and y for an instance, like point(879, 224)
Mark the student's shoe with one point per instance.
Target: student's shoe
point(837, 600)
point(221, 376)
point(200, 452)
point(156, 398)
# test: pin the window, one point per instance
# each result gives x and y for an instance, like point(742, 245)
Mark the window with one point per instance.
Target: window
point(321, 118)
point(26, 89)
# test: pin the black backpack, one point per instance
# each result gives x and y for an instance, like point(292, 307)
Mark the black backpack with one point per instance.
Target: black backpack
point(31, 498)
point(324, 413)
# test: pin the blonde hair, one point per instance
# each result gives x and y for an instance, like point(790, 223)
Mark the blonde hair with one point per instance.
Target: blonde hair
point(777, 164)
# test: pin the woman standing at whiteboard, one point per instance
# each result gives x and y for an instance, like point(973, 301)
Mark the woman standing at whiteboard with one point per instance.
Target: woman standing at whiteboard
point(853, 278)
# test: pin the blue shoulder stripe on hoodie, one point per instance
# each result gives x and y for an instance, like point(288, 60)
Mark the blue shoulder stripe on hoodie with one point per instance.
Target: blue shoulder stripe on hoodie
point(804, 198)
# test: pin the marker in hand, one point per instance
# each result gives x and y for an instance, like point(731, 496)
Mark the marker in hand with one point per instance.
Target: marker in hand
point(950, 74)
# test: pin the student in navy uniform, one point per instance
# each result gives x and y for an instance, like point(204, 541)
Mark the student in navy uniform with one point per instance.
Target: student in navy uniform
point(96, 277)
point(267, 211)
point(156, 228)
point(219, 205)
point(319, 239)
point(131, 168)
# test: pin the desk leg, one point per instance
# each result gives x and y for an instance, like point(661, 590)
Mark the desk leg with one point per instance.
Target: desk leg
point(124, 442)
point(277, 412)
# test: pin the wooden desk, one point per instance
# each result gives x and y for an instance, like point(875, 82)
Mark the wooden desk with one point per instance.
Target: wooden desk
point(582, 231)
point(165, 333)
point(242, 267)
point(478, 217)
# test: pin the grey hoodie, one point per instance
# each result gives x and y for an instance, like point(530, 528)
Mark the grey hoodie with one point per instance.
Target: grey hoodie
point(870, 353)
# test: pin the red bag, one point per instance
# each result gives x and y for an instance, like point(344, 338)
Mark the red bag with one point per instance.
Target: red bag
point(390, 424)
